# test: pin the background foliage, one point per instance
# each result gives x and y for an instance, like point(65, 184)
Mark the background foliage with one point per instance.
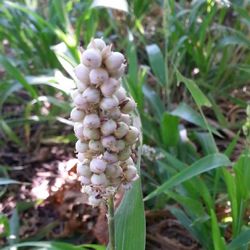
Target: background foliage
point(188, 71)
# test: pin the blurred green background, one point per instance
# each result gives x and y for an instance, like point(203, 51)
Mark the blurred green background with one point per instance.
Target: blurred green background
point(188, 70)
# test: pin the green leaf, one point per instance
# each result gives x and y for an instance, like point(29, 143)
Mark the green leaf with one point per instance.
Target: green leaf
point(16, 74)
point(14, 228)
point(157, 63)
point(205, 164)
point(169, 129)
point(243, 239)
point(130, 219)
point(6, 181)
point(218, 241)
point(199, 97)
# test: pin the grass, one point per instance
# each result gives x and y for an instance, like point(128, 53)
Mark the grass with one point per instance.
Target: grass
point(182, 72)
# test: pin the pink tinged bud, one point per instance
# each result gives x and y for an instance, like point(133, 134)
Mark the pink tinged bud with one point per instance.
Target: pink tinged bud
point(81, 147)
point(85, 180)
point(113, 171)
point(128, 106)
point(95, 146)
point(81, 157)
point(110, 157)
point(106, 52)
point(81, 86)
point(98, 165)
point(108, 103)
point(92, 121)
point(129, 161)
point(92, 58)
point(91, 95)
point(130, 173)
point(126, 119)
point(132, 135)
point(99, 179)
point(115, 113)
point(121, 94)
point(120, 145)
point(97, 43)
point(82, 73)
point(78, 129)
point(98, 76)
point(76, 115)
point(93, 201)
point(80, 102)
point(83, 170)
point(118, 73)
point(122, 130)
point(124, 154)
point(109, 142)
point(91, 133)
point(109, 87)
point(114, 61)
point(108, 127)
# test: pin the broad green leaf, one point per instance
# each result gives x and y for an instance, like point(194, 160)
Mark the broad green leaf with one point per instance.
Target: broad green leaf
point(117, 4)
point(169, 129)
point(130, 219)
point(16, 74)
point(242, 240)
point(157, 63)
point(218, 241)
point(205, 164)
point(199, 97)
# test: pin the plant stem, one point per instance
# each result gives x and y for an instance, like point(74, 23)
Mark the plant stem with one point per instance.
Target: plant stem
point(111, 223)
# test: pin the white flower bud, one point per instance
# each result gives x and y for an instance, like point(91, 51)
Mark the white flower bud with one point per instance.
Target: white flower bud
point(109, 87)
point(124, 154)
point(99, 179)
point(91, 133)
point(115, 113)
point(129, 161)
point(83, 170)
point(110, 157)
point(108, 103)
point(85, 180)
point(92, 121)
point(109, 142)
point(113, 171)
point(82, 73)
point(95, 146)
point(76, 115)
point(132, 135)
point(91, 95)
point(108, 127)
point(128, 106)
point(80, 102)
point(81, 157)
point(98, 76)
point(120, 145)
point(130, 172)
point(93, 201)
point(97, 43)
point(74, 93)
point(118, 73)
point(92, 58)
point(122, 130)
point(121, 94)
point(126, 119)
point(81, 146)
point(114, 61)
point(78, 129)
point(98, 165)
point(81, 86)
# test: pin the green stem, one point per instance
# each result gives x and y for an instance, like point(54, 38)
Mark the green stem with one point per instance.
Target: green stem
point(111, 223)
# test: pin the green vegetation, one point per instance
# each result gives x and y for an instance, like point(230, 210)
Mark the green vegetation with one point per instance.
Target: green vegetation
point(188, 71)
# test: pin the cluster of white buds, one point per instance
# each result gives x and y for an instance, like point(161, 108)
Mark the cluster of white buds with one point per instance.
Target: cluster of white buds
point(103, 123)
